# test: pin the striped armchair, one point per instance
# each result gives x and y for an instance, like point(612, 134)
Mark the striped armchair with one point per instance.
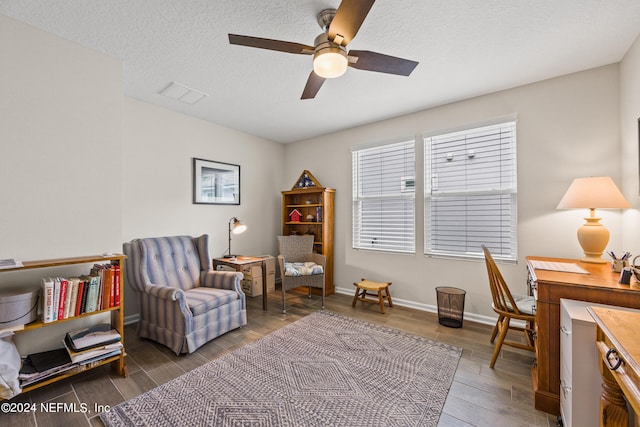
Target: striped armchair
point(184, 303)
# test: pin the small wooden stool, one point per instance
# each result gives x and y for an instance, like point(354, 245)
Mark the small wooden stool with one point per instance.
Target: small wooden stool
point(365, 286)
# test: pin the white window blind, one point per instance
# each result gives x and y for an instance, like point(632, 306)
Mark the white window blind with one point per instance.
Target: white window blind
point(384, 197)
point(471, 192)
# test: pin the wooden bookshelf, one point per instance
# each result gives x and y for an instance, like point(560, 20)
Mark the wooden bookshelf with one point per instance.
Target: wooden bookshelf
point(117, 314)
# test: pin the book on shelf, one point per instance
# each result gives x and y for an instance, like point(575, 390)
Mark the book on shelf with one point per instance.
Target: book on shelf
point(79, 297)
point(72, 294)
point(47, 299)
point(101, 356)
point(56, 297)
point(39, 366)
point(92, 294)
point(116, 285)
point(95, 353)
point(9, 263)
point(91, 337)
point(63, 297)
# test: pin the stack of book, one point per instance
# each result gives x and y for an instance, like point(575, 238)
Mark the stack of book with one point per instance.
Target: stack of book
point(70, 297)
point(93, 344)
point(39, 366)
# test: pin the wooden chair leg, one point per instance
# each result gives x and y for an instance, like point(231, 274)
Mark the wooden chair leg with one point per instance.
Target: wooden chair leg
point(503, 328)
point(381, 301)
point(495, 329)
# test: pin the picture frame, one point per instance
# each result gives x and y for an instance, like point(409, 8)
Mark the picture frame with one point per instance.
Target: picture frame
point(215, 183)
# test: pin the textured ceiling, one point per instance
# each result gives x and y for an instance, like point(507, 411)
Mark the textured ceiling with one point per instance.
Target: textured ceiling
point(465, 49)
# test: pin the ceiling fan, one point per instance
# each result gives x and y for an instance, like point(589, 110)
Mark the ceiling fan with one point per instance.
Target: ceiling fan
point(330, 57)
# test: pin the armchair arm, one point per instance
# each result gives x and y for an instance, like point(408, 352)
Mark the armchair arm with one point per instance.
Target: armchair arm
point(166, 307)
point(164, 292)
point(318, 259)
point(222, 280)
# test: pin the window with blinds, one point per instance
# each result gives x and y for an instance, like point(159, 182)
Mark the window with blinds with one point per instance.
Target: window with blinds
point(471, 192)
point(384, 197)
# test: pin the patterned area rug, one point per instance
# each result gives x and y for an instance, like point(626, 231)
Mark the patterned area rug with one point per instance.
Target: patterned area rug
point(323, 370)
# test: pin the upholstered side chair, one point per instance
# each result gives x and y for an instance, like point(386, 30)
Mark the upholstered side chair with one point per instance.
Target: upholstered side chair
point(299, 265)
point(184, 303)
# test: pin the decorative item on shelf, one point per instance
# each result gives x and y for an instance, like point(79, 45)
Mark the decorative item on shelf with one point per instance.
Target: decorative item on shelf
point(593, 192)
point(318, 214)
point(236, 227)
point(310, 218)
point(295, 215)
point(309, 201)
point(306, 180)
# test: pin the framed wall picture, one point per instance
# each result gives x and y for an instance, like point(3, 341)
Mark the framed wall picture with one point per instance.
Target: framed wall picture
point(215, 183)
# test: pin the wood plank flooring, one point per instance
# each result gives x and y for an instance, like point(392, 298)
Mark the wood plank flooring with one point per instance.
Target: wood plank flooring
point(479, 396)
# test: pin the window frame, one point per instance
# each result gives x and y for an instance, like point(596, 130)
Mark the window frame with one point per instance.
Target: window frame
point(509, 189)
point(406, 193)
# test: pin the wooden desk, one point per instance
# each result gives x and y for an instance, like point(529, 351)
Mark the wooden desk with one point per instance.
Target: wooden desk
point(599, 286)
point(240, 262)
point(618, 343)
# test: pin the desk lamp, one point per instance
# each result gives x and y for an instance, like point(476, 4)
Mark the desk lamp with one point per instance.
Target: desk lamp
point(593, 193)
point(236, 227)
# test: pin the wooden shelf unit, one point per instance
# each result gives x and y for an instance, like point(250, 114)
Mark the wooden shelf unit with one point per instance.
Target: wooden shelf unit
point(317, 201)
point(117, 314)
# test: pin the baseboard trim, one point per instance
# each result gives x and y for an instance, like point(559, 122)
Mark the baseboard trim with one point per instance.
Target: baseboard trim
point(473, 317)
point(132, 318)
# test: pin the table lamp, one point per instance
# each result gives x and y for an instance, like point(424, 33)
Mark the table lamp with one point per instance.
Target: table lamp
point(236, 227)
point(593, 193)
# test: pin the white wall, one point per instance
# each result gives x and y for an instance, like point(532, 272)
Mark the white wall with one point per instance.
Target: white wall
point(629, 116)
point(566, 128)
point(60, 156)
point(157, 196)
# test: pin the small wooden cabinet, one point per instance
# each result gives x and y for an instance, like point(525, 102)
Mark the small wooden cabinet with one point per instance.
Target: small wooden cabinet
point(308, 209)
point(117, 314)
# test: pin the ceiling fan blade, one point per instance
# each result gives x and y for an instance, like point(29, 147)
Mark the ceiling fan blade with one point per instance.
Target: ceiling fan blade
point(348, 19)
point(373, 61)
point(280, 46)
point(314, 83)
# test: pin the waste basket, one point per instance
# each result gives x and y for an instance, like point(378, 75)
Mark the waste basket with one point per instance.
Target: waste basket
point(450, 306)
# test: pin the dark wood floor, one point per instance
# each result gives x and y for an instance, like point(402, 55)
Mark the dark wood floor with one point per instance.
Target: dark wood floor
point(479, 396)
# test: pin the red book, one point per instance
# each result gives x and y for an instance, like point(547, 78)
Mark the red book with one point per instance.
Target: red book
point(116, 285)
point(78, 307)
point(63, 298)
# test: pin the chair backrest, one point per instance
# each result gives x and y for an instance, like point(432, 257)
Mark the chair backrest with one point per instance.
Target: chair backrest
point(502, 299)
point(175, 261)
point(295, 248)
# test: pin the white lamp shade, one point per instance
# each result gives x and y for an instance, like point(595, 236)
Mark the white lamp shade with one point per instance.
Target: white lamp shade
point(596, 192)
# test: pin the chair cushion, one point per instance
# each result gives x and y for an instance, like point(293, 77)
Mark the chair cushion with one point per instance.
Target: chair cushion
point(200, 300)
point(294, 269)
point(525, 304)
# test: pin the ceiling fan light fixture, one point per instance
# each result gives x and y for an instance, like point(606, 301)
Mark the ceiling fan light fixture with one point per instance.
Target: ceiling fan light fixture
point(330, 62)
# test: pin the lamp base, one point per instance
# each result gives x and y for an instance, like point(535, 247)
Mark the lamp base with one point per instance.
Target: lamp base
point(593, 238)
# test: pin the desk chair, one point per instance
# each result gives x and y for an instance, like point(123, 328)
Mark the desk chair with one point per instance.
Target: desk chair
point(508, 306)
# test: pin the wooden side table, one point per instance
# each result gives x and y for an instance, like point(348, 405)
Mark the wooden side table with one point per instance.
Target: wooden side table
point(240, 262)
